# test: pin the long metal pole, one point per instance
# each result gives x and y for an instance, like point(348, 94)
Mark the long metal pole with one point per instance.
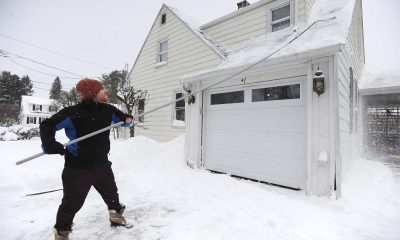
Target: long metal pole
point(182, 98)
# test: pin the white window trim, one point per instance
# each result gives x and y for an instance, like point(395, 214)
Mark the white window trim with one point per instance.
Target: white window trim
point(158, 62)
point(278, 4)
point(173, 115)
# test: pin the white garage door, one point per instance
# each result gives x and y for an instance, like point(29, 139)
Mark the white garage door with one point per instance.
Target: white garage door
point(257, 131)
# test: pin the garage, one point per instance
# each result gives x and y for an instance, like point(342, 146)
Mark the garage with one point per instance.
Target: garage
point(258, 131)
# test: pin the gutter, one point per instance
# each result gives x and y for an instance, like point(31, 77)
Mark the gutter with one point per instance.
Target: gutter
point(268, 63)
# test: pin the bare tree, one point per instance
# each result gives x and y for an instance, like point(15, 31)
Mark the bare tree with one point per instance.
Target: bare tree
point(122, 92)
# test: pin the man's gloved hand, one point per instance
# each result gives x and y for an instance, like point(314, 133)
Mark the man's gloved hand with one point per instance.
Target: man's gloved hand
point(54, 148)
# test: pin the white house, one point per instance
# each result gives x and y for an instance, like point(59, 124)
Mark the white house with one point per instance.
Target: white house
point(262, 120)
point(34, 110)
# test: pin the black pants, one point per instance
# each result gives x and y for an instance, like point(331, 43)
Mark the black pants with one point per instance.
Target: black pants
point(77, 183)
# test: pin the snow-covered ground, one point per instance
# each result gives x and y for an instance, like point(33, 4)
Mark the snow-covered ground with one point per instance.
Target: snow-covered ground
point(167, 200)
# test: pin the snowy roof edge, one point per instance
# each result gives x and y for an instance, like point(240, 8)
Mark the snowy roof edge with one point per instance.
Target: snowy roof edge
point(196, 30)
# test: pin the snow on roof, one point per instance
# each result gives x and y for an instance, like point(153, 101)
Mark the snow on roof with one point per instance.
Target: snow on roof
point(333, 31)
point(386, 79)
point(27, 100)
point(219, 48)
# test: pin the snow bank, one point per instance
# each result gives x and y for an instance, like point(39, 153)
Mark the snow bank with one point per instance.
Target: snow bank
point(17, 132)
point(168, 200)
point(10, 136)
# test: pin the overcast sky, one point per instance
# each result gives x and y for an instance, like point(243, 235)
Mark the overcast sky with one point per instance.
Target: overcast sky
point(110, 33)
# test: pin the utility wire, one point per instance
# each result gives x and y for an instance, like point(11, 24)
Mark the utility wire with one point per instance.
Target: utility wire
point(7, 54)
point(48, 74)
point(55, 52)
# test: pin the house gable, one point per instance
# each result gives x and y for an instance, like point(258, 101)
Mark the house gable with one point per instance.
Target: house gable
point(188, 51)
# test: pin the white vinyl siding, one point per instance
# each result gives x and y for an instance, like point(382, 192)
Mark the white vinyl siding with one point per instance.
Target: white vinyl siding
point(240, 28)
point(187, 54)
point(351, 56)
point(304, 9)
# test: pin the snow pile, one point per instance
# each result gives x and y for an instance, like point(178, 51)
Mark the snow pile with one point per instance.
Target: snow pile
point(380, 80)
point(168, 200)
point(17, 132)
point(9, 136)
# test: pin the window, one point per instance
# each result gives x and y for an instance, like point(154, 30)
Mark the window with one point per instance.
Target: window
point(36, 107)
point(280, 16)
point(141, 109)
point(31, 120)
point(179, 110)
point(276, 93)
point(163, 18)
point(227, 97)
point(162, 52)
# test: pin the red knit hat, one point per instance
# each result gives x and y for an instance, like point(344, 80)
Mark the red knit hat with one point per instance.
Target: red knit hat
point(88, 88)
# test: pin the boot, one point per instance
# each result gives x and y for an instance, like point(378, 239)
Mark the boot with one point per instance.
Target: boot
point(116, 217)
point(61, 234)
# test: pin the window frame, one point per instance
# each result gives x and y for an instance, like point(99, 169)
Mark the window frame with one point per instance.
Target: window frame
point(275, 6)
point(174, 109)
point(159, 53)
point(142, 102)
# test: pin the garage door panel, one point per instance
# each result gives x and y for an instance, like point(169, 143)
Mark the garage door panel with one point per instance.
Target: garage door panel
point(224, 121)
point(225, 141)
point(282, 143)
point(287, 119)
point(264, 168)
point(265, 140)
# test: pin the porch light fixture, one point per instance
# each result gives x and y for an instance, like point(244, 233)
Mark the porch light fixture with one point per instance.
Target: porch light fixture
point(319, 82)
point(187, 87)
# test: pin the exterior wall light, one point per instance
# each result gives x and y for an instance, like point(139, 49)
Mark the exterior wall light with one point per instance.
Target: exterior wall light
point(187, 87)
point(319, 82)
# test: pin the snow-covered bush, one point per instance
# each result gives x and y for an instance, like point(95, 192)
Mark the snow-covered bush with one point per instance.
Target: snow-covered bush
point(18, 132)
point(9, 136)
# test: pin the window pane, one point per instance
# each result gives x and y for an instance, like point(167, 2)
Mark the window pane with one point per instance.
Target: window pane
point(280, 25)
point(276, 93)
point(163, 46)
point(180, 114)
point(281, 13)
point(163, 18)
point(163, 57)
point(180, 103)
point(141, 110)
point(227, 97)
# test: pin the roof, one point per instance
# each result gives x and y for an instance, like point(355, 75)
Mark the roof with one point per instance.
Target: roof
point(328, 26)
point(27, 100)
point(194, 26)
point(380, 83)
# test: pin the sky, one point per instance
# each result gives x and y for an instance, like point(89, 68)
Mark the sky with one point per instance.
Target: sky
point(93, 37)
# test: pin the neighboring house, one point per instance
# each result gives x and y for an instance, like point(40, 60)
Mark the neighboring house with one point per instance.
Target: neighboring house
point(34, 110)
point(264, 122)
point(380, 111)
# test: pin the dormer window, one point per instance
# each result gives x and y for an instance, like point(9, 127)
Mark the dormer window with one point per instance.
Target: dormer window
point(280, 16)
point(36, 107)
point(163, 18)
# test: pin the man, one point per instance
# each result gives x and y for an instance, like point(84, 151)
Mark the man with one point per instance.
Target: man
point(86, 162)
